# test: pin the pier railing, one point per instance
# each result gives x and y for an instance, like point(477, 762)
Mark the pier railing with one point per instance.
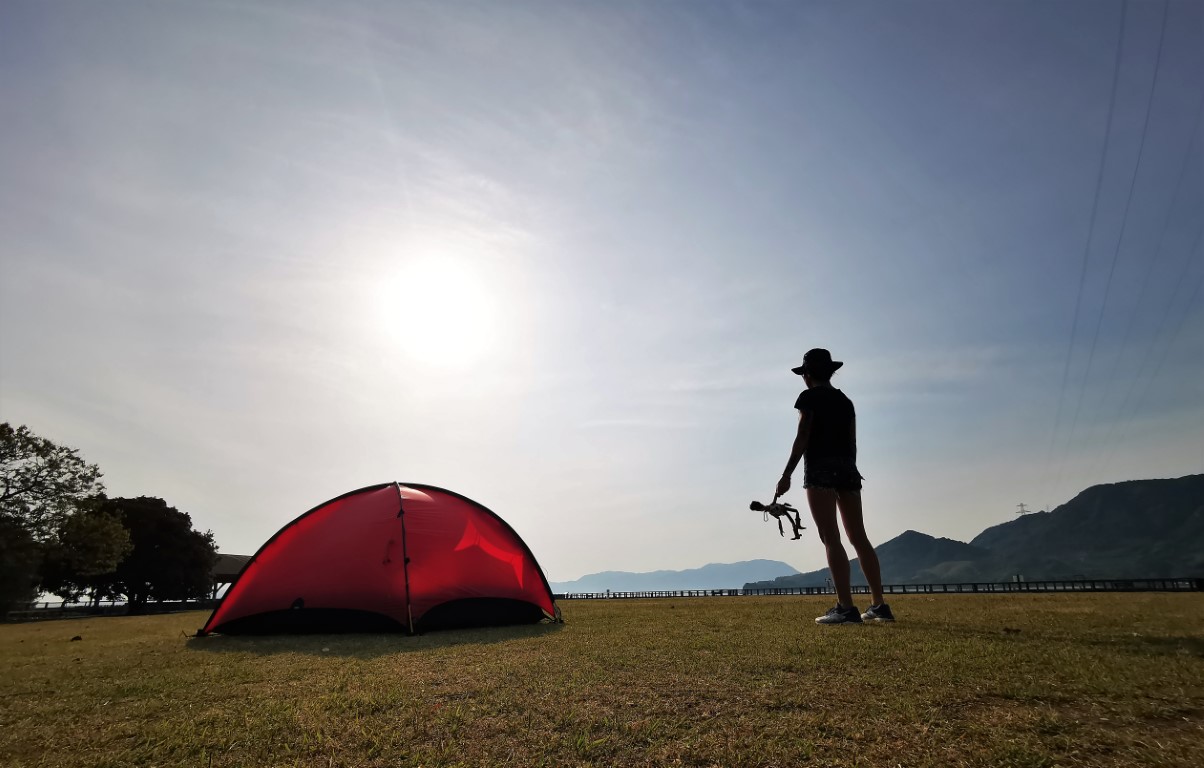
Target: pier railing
point(1193, 584)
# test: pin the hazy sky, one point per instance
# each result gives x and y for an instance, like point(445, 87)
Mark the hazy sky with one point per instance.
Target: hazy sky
point(560, 256)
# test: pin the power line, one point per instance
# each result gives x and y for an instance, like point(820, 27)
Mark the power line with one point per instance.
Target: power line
point(1126, 413)
point(1158, 252)
point(1191, 302)
point(1099, 179)
point(1183, 319)
point(1124, 223)
point(1120, 39)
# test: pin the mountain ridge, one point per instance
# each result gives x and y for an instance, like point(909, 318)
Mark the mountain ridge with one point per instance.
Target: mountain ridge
point(709, 576)
point(1129, 529)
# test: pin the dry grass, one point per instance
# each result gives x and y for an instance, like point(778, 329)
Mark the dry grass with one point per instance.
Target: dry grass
point(1091, 680)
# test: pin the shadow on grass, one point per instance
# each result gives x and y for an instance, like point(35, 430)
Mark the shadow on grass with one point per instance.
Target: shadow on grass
point(1151, 645)
point(368, 645)
point(1118, 640)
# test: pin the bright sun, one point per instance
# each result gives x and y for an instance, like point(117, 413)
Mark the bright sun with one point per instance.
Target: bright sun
point(440, 312)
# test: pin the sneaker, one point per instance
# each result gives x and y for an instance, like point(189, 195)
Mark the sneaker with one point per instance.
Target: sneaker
point(839, 615)
point(878, 613)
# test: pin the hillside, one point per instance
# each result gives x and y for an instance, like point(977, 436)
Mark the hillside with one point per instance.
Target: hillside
point(907, 558)
point(713, 576)
point(1134, 529)
point(1140, 528)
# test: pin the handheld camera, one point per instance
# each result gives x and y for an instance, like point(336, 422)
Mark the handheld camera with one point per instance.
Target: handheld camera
point(780, 509)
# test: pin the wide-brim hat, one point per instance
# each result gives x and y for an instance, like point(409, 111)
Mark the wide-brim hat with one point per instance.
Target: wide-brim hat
point(818, 361)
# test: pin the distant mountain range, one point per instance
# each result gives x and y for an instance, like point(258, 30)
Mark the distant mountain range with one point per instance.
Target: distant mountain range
point(713, 576)
point(1130, 530)
point(1134, 529)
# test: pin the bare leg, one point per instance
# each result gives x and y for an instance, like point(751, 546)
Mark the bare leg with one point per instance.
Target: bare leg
point(854, 528)
point(823, 511)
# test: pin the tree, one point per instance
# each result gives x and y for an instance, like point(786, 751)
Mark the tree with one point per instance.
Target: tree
point(85, 554)
point(168, 560)
point(41, 482)
point(20, 559)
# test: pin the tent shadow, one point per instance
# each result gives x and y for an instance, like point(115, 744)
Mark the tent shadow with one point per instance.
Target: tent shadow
point(368, 645)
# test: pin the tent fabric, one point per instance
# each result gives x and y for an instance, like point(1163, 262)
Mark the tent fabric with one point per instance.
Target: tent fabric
point(403, 557)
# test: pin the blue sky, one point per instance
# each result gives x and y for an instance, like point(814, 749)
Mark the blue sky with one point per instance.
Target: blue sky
point(560, 257)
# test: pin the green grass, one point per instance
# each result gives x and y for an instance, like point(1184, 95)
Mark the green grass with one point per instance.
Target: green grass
point(1091, 680)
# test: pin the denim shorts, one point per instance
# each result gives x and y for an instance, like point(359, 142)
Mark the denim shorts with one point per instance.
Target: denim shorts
point(837, 474)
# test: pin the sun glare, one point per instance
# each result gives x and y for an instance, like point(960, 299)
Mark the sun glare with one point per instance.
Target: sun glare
point(440, 312)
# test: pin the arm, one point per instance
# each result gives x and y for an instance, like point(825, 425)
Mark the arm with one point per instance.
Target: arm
point(853, 436)
point(796, 452)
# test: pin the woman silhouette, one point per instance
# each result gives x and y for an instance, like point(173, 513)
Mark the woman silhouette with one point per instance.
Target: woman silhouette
point(827, 439)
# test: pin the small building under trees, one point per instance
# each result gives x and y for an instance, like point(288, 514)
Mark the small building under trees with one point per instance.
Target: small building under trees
point(226, 570)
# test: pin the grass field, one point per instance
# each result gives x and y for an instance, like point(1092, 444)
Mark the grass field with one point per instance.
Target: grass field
point(1091, 680)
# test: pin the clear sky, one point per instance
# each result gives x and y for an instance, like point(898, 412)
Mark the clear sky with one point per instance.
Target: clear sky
point(560, 256)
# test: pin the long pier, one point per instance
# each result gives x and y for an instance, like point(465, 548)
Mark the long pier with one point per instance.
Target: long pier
point(1191, 584)
point(48, 610)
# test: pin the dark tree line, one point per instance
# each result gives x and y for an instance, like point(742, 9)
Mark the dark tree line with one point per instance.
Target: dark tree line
point(59, 533)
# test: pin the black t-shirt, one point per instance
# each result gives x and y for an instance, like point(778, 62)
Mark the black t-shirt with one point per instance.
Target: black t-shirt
point(831, 415)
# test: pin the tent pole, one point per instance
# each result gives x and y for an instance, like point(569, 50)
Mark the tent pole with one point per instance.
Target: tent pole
point(405, 557)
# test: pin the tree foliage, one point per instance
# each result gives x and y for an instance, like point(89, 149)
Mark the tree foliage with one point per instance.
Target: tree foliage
point(20, 559)
point(84, 556)
point(169, 560)
point(57, 529)
point(41, 483)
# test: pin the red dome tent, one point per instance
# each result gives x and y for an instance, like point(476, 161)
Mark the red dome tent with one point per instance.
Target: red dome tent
point(386, 558)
